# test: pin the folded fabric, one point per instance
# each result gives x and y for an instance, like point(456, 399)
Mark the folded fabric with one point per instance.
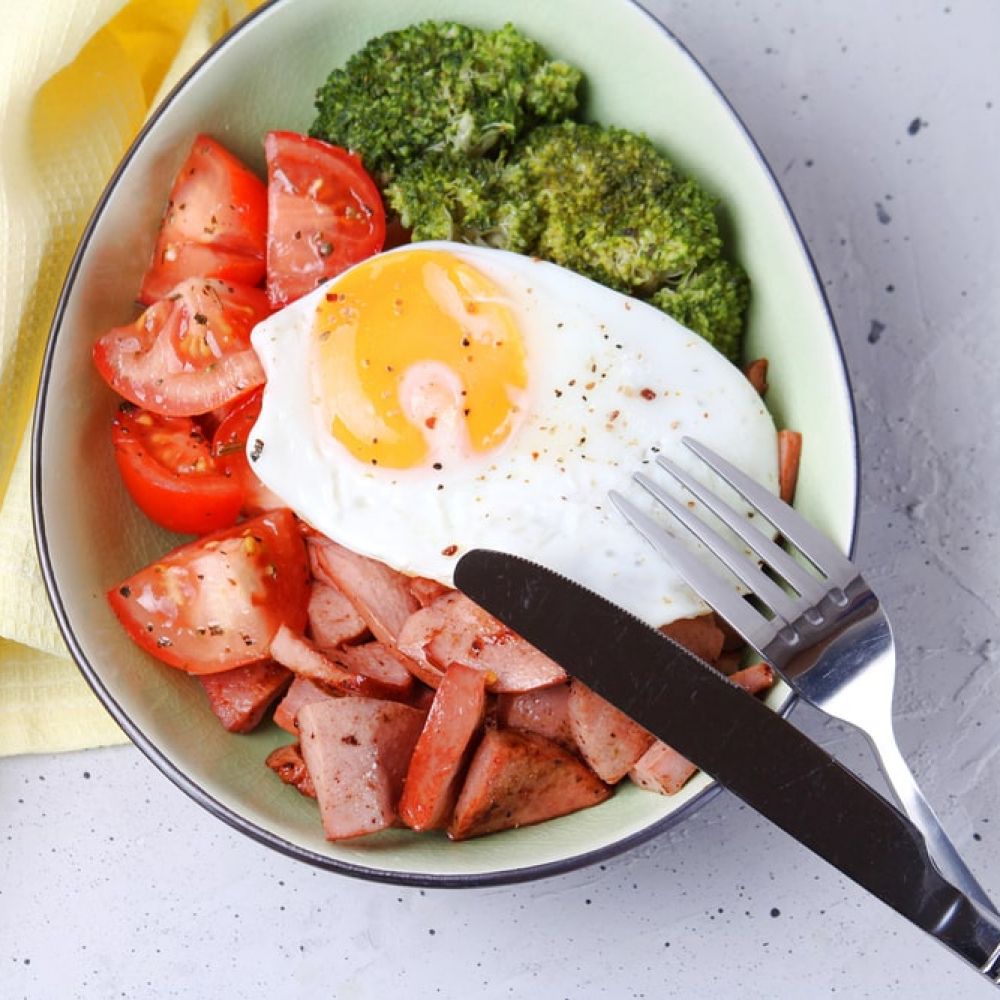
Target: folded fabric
point(77, 79)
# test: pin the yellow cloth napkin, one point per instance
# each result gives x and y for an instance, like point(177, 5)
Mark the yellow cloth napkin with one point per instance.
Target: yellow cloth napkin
point(77, 79)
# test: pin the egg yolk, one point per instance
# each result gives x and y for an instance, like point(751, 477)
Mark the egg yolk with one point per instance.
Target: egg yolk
point(412, 346)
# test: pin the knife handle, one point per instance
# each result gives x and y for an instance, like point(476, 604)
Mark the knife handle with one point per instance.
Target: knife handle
point(969, 931)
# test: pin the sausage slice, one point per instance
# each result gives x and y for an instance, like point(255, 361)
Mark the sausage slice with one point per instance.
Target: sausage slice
point(357, 751)
point(516, 779)
point(454, 719)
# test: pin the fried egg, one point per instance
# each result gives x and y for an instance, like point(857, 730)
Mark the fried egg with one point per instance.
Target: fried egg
point(443, 397)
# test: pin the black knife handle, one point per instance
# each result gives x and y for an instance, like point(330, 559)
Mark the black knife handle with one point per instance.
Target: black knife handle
point(738, 740)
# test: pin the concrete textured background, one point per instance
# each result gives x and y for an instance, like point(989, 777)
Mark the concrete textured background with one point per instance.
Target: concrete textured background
point(881, 122)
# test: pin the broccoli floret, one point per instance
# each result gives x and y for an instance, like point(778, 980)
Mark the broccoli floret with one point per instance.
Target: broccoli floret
point(612, 207)
point(712, 302)
point(445, 197)
point(440, 86)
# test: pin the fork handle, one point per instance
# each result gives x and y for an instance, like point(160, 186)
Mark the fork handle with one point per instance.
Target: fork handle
point(911, 799)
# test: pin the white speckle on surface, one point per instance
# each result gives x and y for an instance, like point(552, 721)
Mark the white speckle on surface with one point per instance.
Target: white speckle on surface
point(113, 883)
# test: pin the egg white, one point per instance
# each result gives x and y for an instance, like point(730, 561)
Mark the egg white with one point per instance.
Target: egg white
point(612, 383)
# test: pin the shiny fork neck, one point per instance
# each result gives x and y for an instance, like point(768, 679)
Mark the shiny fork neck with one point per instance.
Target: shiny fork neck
point(828, 647)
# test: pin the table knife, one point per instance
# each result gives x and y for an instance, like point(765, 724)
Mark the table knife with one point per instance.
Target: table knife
point(745, 746)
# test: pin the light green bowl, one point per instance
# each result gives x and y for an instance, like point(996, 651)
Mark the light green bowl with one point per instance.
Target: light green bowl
point(263, 76)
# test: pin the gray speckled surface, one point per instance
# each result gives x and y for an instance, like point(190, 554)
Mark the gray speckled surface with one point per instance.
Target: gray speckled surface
point(882, 121)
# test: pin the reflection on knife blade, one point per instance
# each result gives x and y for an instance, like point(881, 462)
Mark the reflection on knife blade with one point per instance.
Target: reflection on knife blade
point(745, 746)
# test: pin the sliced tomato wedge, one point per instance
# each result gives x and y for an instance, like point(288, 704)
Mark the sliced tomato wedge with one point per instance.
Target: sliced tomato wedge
point(188, 353)
point(214, 226)
point(217, 603)
point(229, 451)
point(324, 213)
point(167, 466)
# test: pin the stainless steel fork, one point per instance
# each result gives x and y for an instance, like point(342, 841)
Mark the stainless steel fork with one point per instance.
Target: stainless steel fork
point(829, 640)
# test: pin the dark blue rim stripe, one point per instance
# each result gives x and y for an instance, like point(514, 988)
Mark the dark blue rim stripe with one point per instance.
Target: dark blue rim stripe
point(163, 763)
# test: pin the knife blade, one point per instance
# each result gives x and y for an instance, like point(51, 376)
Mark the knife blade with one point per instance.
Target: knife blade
point(754, 752)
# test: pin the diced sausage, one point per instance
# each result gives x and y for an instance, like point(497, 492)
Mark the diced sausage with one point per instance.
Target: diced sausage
point(789, 454)
point(729, 663)
point(454, 719)
point(754, 679)
point(455, 630)
point(756, 373)
point(427, 591)
point(357, 751)
point(298, 654)
point(733, 641)
point(380, 663)
point(544, 711)
point(700, 635)
point(516, 779)
point(302, 692)
point(662, 769)
point(333, 620)
point(287, 764)
point(608, 739)
point(240, 697)
point(381, 595)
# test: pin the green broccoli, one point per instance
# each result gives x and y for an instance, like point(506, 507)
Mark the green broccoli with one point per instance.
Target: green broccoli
point(446, 197)
point(440, 86)
point(599, 201)
point(712, 302)
point(612, 207)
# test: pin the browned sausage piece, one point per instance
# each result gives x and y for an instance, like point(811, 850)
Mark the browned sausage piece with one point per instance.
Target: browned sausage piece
point(455, 630)
point(287, 764)
point(357, 751)
point(333, 620)
point(608, 739)
point(662, 769)
point(380, 663)
point(544, 711)
point(426, 591)
point(755, 678)
point(300, 693)
point(789, 454)
point(454, 719)
point(298, 654)
point(240, 697)
point(516, 779)
point(700, 635)
point(381, 595)
point(729, 662)
point(756, 373)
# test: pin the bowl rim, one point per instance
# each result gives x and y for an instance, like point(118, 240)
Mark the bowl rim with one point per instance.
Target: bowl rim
point(149, 748)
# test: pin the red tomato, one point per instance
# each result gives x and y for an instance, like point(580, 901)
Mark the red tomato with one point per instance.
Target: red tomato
point(167, 467)
point(216, 603)
point(190, 352)
point(215, 224)
point(229, 452)
point(324, 214)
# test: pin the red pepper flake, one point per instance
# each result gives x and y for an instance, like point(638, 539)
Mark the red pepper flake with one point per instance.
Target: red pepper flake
point(648, 394)
point(450, 550)
point(430, 422)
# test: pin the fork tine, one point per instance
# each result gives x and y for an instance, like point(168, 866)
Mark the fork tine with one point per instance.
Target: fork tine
point(820, 551)
point(746, 569)
point(751, 624)
point(804, 582)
